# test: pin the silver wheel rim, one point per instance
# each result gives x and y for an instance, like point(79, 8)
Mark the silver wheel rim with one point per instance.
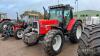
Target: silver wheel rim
point(20, 34)
point(58, 42)
point(79, 32)
point(4, 26)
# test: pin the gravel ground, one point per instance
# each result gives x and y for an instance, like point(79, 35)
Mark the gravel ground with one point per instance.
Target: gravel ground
point(13, 47)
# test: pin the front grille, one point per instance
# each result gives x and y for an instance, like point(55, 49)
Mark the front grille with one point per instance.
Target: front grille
point(35, 25)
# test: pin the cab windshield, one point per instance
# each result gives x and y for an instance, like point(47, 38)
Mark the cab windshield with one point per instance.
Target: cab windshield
point(59, 14)
point(30, 18)
point(3, 16)
point(56, 14)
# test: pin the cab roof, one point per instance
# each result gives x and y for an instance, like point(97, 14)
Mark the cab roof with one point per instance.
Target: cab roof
point(67, 6)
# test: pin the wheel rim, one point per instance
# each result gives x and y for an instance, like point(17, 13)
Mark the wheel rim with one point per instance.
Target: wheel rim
point(4, 26)
point(79, 32)
point(20, 34)
point(57, 42)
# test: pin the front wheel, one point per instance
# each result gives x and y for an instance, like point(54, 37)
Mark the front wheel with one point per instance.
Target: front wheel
point(76, 32)
point(30, 39)
point(19, 34)
point(54, 42)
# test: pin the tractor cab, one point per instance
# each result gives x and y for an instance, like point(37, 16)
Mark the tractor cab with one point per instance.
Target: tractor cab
point(3, 17)
point(30, 17)
point(62, 13)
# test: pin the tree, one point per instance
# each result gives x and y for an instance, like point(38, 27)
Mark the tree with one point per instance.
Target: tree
point(83, 15)
point(97, 15)
point(86, 15)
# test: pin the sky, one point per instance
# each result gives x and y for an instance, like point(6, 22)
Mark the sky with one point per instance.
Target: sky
point(13, 6)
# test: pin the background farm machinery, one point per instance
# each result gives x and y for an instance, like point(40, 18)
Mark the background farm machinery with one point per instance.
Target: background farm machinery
point(3, 19)
point(16, 28)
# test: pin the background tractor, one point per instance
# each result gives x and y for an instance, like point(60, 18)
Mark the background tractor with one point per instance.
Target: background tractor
point(52, 31)
point(16, 28)
point(3, 20)
point(13, 28)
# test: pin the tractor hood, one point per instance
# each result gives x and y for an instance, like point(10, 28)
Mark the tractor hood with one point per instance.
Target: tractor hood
point(49, 22)
point(46, 25)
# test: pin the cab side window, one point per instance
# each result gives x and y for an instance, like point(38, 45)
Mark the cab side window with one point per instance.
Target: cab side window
point(67, 16)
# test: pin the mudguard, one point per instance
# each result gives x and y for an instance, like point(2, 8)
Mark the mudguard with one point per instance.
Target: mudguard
point(71, 24)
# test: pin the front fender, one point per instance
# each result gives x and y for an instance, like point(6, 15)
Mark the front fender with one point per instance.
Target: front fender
point(71, 24)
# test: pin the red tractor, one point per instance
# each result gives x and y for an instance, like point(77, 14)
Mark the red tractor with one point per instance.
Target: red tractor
point(3, 20)
point(52, 31)
point(13, 28)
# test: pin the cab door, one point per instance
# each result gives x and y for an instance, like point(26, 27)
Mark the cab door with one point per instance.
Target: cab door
point(67, 16)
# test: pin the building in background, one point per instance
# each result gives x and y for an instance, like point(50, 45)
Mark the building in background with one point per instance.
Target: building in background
point(32, 14)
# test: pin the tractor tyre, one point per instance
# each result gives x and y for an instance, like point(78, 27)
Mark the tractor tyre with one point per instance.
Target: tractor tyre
point(18, 34)
point(94, 41)
point(4, 23)
point(32, 44)
point(83, 42)
point(76, 32)
point(8, 25)
point(91, 46)
point(30, 40)
point(54, 41)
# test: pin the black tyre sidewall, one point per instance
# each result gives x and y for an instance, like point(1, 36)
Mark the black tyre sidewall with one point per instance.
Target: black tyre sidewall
point(73, 38)
point(8, 25)
point(30, 44)
point(80, 47)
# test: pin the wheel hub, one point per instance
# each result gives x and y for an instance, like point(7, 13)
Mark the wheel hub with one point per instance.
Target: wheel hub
point(79, 32)
point(20, 34)
point(57, 42)
point(54, 41)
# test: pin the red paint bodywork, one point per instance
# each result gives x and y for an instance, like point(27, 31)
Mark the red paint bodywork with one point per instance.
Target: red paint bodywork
point(17, 26)
point(45, 25)
point(2, 20)
point(71, 24)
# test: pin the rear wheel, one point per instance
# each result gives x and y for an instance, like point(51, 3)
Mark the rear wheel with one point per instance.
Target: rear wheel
point(19, 34)
point(94, 41)
point(7, 29)
point(1, 25)
point(54, 42)
point(76, 32)
point(83, 44)
point(30, 40)
point(90, 45)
